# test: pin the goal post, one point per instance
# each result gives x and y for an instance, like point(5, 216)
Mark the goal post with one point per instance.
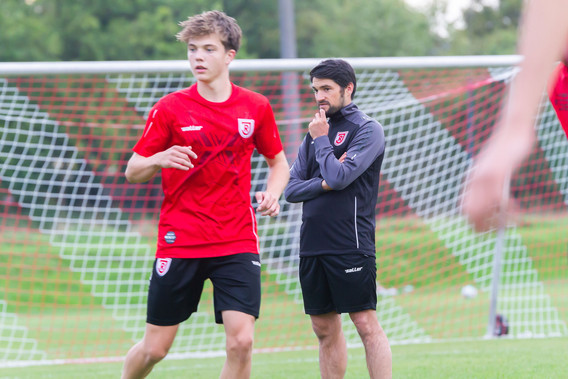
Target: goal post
point(77, 241)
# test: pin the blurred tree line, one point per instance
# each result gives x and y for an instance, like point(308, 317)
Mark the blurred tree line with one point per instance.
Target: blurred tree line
point(72, 30)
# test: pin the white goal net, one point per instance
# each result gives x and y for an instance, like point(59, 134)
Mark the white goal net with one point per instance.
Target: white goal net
point(77, 241)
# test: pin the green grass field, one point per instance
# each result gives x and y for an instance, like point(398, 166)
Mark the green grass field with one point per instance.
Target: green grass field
point(483, 359)
point(59, 311)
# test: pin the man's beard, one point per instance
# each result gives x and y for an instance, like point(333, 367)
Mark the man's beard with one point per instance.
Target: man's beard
point(333, 109)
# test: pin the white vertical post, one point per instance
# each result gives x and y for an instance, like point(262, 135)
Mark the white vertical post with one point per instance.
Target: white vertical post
point(498, 258)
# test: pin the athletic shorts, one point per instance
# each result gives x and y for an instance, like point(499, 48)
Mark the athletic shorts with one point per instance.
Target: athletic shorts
point(176, 285)
point(338, 283)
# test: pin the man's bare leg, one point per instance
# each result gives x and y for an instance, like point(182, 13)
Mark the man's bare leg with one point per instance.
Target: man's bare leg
point(155, 345)
point(332, 345)
point(239, 331)
point(377, 348)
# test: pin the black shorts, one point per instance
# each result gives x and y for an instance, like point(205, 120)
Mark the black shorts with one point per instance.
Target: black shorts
point(340, 283)
point(176, 285)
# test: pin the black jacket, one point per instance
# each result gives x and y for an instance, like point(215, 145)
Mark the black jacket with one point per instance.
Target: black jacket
point(340, 221)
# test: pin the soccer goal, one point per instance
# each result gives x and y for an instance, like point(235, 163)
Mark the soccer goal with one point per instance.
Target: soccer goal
point(77, 241)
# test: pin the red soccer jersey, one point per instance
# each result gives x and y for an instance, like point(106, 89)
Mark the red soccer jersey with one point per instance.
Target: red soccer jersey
point(558, 94)
point(207, 211)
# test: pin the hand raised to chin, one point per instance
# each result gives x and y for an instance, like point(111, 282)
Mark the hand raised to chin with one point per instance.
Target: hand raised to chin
point(318, 126)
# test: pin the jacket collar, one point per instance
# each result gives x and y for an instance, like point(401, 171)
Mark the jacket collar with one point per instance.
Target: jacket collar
point(346, 110)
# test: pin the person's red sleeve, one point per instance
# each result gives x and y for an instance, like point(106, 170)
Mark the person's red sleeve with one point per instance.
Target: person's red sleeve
point(156, 133)
point(267, 139)
point(558, 94)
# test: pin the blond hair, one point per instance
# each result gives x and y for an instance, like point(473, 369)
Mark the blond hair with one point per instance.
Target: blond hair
point(212, 22)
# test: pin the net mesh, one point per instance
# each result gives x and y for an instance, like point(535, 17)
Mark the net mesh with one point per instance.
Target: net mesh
point(77, 241)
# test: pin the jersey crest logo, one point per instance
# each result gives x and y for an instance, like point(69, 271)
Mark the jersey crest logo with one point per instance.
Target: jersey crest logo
point(246, 127)
point(340, 138)
point(163, 265)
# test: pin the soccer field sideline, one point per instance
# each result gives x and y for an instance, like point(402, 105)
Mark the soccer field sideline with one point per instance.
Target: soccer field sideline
point(491, 358)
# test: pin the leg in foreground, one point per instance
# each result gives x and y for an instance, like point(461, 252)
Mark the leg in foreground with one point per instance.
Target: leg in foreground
point(155, 345)
point(377, 349)
point(239, 331)
point(332, 345)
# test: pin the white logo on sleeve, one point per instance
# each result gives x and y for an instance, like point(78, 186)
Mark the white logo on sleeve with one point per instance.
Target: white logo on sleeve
point(246, 127)
point(163, 265)
point(340, 137)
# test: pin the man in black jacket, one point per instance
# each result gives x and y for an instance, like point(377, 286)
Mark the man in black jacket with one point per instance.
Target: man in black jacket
point(336, 176)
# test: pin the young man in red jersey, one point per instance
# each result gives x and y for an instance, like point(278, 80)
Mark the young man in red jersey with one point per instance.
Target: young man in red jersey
point(202, 139)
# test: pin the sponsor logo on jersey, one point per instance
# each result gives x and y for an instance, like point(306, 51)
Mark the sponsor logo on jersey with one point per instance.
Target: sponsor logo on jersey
point(340, 138)
point(354, 269)
point(191, 128)
point(163, 265)
point(246, 127)
point(170, 237)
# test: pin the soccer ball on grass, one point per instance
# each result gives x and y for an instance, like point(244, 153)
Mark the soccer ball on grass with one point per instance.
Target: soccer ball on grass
point(469, 291)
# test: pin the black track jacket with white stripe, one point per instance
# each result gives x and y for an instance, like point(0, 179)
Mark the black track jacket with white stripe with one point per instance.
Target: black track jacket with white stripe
point(340, 221)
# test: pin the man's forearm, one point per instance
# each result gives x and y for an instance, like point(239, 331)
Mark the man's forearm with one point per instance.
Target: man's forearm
point(141, 169)
point(278, 177)
point(299, 190)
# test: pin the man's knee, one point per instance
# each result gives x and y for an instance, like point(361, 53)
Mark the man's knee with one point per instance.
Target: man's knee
point(154, 353)
point(366, 323)
point(322, 330)
point(327, 326)
point(240, 345)
point(157, 342)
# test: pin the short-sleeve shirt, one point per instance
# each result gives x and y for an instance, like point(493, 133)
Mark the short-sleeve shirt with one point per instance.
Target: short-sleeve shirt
point(558, 94)
point(207, 211)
